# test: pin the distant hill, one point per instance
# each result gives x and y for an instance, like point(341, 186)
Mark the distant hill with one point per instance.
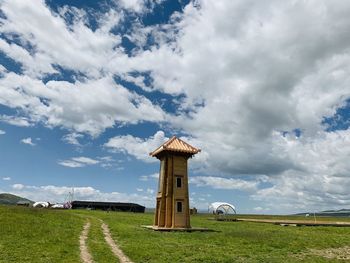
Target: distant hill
point(10, 199)
point(340, 213)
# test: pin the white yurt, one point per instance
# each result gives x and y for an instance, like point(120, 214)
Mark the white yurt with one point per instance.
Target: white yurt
point(222, 208)
point(41, 204)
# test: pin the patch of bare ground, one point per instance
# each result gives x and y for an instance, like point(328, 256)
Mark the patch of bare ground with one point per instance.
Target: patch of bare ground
point(85, 255)
point(114, 247)
point(341, 253)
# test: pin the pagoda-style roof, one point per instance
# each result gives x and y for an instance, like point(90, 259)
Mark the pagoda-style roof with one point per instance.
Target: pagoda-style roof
point(176, 145)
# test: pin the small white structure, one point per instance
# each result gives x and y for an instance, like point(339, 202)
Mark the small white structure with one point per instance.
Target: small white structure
point(41, 204)
point(58, 206)
point(222, 208)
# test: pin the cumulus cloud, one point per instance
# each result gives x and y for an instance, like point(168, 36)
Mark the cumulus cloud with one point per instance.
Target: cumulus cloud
point(224, 183)
point(322, 178)
point(2, 132)
point(133, 5)
point(28, 141)
point(89, 106)
point(265, 84)
point(137, 147)
point(75, 47)
point(91, 101)
point(258, 72)
point(6, 178)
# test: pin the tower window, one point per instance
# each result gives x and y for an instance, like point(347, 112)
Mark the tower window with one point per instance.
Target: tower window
point(178, 182)
point(179, 206)
point(161, 175)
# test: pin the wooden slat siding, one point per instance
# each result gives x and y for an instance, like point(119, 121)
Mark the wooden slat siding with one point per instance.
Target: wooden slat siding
point(169, 192)
point(162, 208)
point(174, 155)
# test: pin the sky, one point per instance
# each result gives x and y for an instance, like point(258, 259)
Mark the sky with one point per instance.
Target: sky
point(89, 88)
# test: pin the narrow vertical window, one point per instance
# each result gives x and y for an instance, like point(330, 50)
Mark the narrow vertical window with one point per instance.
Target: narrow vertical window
point(179, 207)
point(161, 175)
point(178, 182)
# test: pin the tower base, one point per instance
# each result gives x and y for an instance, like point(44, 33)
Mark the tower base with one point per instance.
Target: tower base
point(179, 229)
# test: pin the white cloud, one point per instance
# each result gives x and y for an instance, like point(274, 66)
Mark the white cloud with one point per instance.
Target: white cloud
point(93, 101)
point(106, 162)
point(138, 6)
point(252, 84)
point(16, 121)
point(133, 5)
point(137, 147)
point(321, 180)
point(72, 138)
point(154, 176)
point(85, 160)
point(18, 186)
point(258, 68)
point(2, 132)
point(6, 178)
point(28, 141)
point(71, 164)
point(75, 47)
point(89, 106)
point(76, 162)
point(224, 183)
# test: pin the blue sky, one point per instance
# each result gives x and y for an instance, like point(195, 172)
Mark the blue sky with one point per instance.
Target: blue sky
point(89, 88)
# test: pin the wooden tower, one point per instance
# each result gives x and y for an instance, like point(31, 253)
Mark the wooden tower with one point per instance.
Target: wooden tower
point(172, 207)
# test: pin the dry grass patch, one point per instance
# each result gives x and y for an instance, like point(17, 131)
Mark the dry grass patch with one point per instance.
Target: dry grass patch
point(342, 253)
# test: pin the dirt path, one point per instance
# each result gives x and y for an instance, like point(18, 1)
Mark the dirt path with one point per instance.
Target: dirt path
point(114, 247)
point(84, 252)
point(296, 222)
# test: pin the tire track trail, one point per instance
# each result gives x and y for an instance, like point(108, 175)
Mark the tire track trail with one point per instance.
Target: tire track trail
point(114, 247)
point(85, 255)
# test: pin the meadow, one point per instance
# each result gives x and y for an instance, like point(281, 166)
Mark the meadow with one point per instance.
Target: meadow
point(34, 235)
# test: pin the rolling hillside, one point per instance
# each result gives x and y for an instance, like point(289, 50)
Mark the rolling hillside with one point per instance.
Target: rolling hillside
point(333, 213)
point(10, 199)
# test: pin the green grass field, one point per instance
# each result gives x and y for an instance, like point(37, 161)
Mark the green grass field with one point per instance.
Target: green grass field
point(31, 235)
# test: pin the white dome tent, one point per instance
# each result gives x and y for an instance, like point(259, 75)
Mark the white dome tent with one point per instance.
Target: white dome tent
point(41, 204)
point(222, 208)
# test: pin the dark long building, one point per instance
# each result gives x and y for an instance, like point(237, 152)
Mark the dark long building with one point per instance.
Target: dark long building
point(108, 206)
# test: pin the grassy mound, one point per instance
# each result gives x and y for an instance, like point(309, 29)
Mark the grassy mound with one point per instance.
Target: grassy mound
point(10, 199)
